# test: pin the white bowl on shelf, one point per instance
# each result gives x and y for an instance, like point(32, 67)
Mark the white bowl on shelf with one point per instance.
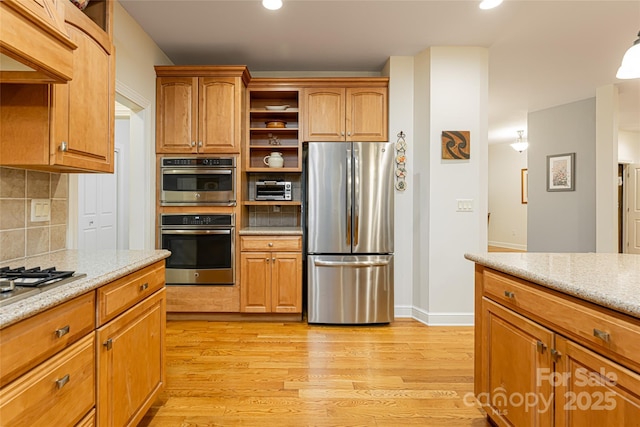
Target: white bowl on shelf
point(276, 107)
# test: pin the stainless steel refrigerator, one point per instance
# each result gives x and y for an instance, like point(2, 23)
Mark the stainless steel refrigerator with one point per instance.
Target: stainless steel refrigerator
point(350, 232)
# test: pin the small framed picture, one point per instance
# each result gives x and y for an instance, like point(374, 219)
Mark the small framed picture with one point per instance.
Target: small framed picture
point(561, 172)
point(524, 183)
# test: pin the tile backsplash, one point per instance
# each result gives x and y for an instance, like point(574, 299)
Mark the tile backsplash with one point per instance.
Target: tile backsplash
point(19, 237)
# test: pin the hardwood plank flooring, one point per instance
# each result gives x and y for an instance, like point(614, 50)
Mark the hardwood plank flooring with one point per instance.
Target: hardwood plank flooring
point(294, 374)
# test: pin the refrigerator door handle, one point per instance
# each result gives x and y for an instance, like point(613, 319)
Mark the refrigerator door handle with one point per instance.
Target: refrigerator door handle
point(353, 264)
point(348, 195)
point(356, 195)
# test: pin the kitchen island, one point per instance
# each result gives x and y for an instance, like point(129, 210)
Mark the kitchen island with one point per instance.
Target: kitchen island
point(557, 338)
point(90, 351)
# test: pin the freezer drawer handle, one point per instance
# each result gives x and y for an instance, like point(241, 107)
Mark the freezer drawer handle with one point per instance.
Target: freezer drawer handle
point(357, 264)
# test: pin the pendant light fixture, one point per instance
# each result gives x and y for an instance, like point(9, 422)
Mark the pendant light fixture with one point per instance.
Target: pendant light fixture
point(272, 4)
point(630, 67)
point(490, 4)
point(521, 143)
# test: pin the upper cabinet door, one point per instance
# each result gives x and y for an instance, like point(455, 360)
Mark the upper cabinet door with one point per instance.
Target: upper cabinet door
point(366, 114)
point(323, 114)
point(83, 113)
point(219, 115)
point(177, 114)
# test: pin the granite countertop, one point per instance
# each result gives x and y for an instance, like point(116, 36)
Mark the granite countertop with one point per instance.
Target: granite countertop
point(101, 267)
point(609, 280)
point(270, 231)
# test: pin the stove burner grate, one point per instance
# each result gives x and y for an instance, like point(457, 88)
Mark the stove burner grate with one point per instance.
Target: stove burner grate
point(33, 277)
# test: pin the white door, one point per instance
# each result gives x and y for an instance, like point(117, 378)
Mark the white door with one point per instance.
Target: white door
point(97, 205)
point(632, 211)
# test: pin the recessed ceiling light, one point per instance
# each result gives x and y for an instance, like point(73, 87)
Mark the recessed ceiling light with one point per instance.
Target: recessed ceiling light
point(490, 4)
point(272, 4)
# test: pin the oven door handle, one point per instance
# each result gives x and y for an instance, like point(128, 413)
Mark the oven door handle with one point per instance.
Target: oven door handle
point(197, 172)
point(179, 232)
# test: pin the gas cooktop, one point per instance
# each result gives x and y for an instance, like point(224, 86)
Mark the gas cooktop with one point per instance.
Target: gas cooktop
point(19, 283)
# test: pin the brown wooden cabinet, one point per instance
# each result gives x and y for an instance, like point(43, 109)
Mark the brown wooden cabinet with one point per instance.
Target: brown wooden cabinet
point(345, 114)
point(507, 334)
point(130, 360)
point(65, 127)
point(47, 366)
point(199, 109)
point(271, 272)
point(33, 33)
point(544, 358)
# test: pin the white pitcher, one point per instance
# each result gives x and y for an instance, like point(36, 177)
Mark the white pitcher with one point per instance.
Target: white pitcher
point(274, 160)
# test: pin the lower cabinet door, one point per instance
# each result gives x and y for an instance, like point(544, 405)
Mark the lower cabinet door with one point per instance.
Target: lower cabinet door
point(514, 391)
point(593, 391)
point(58, 392)
point(130, 352)
point(286, 282)
point(255, 290)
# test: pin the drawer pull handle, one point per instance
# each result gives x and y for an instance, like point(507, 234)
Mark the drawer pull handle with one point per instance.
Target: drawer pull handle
point(604, 336)
point(108, 344)
point(555, 355)
point(509, 294)
point(62, 331)
point(144, 286)
point(62, 381)
point(540, 347)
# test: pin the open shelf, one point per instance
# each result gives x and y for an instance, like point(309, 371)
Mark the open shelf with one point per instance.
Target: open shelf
point(272, 203)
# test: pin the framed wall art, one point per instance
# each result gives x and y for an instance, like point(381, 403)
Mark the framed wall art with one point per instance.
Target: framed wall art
point(524, 184)
point(561, 172)
point(456, 144)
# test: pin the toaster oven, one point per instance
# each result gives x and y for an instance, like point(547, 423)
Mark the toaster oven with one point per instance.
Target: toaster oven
point(273, 190)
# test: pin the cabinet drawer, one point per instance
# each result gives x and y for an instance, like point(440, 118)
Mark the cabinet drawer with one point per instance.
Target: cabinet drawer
point(271, 243)
point(33, 340)
point(600, 329)
point(59, 392)
point(123, 293)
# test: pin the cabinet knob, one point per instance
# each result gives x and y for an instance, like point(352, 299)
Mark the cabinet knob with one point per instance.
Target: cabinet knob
point(64, 146)
point(509, 294)
point(62, 381)
point(62, 331)
point(144, 286)
point(267, 259)
point(199, 143)
point(193, 143)
point(341, 133)
point(604, 336)
point(270, 244)
point(273, 259)
point(348, 133)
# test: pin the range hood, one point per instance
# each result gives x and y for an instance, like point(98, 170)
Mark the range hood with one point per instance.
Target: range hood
point(34, 44)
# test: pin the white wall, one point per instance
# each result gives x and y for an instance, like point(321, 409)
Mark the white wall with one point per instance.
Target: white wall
point(508, 224)
point(451, 90)
point(136, 54)
point(401, 119)
point(628, 147)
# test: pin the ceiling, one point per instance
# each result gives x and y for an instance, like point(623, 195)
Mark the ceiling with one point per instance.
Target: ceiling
point(542, 53)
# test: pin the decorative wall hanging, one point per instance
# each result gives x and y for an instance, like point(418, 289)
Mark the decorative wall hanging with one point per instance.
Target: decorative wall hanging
point(561, 172)
point(401, 159)
point(456, 144)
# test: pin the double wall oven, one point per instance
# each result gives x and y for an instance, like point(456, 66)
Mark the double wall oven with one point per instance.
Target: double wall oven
point(201, 239)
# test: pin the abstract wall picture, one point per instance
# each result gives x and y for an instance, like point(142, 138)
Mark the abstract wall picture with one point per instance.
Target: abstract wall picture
point(561, 172)
point(455, 144)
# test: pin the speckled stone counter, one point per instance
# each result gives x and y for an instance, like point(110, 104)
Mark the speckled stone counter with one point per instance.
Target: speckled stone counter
point(609, 280)
point(101, 267)
point(270, 231)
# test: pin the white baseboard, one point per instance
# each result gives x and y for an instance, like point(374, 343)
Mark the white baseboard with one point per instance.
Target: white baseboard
point(508, 245)
point(434, 319)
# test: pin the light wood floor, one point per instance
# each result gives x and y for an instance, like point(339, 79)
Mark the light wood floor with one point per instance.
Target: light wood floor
point(294, 374)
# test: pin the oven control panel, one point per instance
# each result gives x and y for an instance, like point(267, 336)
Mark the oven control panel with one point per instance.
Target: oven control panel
point(197, 220)
point(198, 162)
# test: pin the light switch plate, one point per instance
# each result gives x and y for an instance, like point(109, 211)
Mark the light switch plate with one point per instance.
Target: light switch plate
point(464, 205)
point(40, 210)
